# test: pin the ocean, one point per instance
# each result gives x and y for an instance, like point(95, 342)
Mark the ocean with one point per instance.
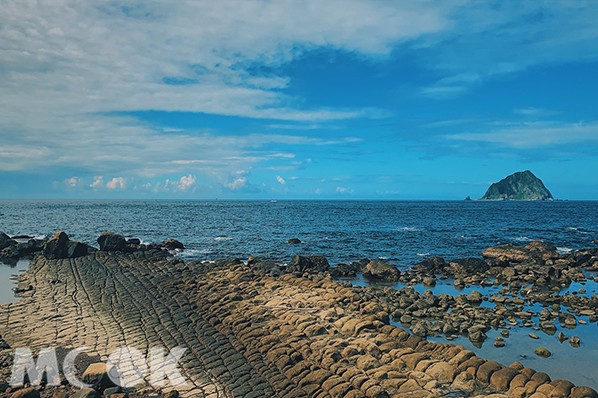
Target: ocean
point(402, 232)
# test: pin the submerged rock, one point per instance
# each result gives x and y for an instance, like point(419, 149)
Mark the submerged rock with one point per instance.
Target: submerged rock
point(294, 241)
point(381, 271)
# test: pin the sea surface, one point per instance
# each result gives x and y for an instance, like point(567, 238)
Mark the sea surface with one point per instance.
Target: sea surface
point(401, 232)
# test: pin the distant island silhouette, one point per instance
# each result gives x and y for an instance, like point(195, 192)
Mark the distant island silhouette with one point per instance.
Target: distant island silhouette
point(523, 185)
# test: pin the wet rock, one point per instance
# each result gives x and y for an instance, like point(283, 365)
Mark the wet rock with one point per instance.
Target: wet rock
point(543, 352)
point(172, 244)
point(6, 241)
point(561, 337)
point(534, 336)
point(112, 242)
point(264, 266)
point(574, 341)
point(30, 247)
point(548, 327)
point(294, 241)
point(429, 281)
point(499, 342)
point(309, 264)
point(381, 271)
point(475, 297)
point(346, 270)
point(430, 266)
point(463, 267)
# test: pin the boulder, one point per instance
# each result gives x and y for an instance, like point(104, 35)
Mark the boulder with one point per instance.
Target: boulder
point(294, 241)
point(57, 246)
point(5, 241)
point(264, 267)
point(111, 242)
point(310, 264)
point(468, 266)
point(60, 246)
point(346, 270)
point(430, 266)
point(381, 271)
point(172, 244)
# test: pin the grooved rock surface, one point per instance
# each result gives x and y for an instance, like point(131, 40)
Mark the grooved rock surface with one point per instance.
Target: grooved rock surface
point(247, 335)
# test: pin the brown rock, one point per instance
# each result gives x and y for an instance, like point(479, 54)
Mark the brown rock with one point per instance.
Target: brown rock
point(501, 379)
point(486, 370)
point(443, 372)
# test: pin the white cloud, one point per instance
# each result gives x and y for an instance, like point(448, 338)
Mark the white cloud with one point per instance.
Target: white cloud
point(75, 68)
point(187, 182)
point(237, 183)
point(116, 183)
point(98, 182)
point(344, 190)
point(280, 180)
point(72, 182)
point(534, 135)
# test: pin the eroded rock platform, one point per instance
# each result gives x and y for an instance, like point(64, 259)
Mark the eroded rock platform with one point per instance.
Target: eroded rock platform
point(249, 335)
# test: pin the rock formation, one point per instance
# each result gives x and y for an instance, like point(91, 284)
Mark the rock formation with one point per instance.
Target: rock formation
point(522, 185)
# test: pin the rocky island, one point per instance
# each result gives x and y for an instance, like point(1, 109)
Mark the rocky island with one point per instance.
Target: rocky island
point(523, 185)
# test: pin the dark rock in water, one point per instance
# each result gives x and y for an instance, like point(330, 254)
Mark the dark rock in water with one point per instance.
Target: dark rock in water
point(381, 271)
point(22, 237)
point(264, 267)
point(574, 341)
point(5, 241)
point(9, 255)
point(468, 266)
point(30, 247)
point(543, 352)
point(467, 198)
point(294, 241)
point(134, 241)
point(311, 264)
point(57, 246)
point(430, 266)
point(172, 244)
point(519, 186)
point(111, 242)
point(346, 270)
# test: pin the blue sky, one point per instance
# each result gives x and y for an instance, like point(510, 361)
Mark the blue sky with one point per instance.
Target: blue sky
point(296, 99)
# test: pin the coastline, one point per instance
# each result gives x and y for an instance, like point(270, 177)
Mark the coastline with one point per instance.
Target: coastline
point(295, 331)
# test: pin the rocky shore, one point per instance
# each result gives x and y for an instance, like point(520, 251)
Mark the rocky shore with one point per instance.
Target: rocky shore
point(261, 329)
